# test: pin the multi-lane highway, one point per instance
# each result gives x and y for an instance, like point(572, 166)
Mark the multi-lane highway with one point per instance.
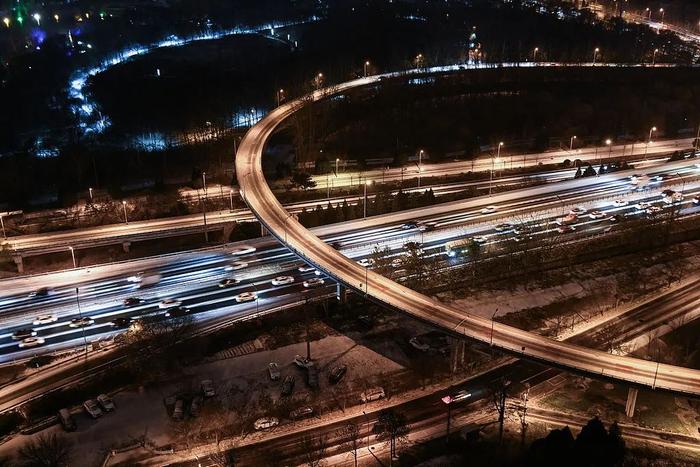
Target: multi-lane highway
point(271, 213)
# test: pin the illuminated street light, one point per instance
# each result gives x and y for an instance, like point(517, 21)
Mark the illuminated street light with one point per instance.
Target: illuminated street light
point(366, 65)
point(661, 10)
point(571, 143)
point(72, 253)
point(318, 80)
point(280, 96)
point(367, 182)
point(420, 165)
point(126, 218)
point(648, 10)
point(56, 17)
point(534, 54)
point(37, 18)
point(653, 60)
point(646, 149)
point(493, 162)
point(608, 143)
point(337, 159)
point(6, 20)
point(90, 192)
point(595, 54)
point(419, 60)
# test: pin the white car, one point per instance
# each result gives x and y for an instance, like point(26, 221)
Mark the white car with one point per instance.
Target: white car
point(479, 239)
point(266, 422)
point(696, 199)
point(31, 342)
point(246, 297)
point(242, 250)
point(653, 210)
point(460, 396)
point(396, 263)
point(81, 322)
point(236, 265)
point(366, 262)
point(642, 205)
point(282, 280)
point(578, 211)
point(315, 282)
point(169, 303)
point(596, 214)
point(45, 319)
point(620, 203)
point(306, 268)
point(136, 278)
point(489, 210)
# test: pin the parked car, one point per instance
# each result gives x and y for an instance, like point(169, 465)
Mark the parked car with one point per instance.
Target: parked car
point(169, 303)
point(81, 322)
point(427, 226)
point(66, 419)
point(396, 263)
point(242, 250)
point(568, 219)
point(21, 334)
point(288, 385)
point(642, 205)
point(196, 406)
point(133, 301)
point(31, 342)
point(207, 387)
point(265, 422)
point(302, 362)
point(274, 370)
point(45, 319)
point(283, 280)
point(301, 412)
point(315, 282)
point(372, 394)
point(106, 402)
point(336, 374)
point(92, 408)
point(179, 409)
point(306, 268)
point(223, 283)
point(246, 297)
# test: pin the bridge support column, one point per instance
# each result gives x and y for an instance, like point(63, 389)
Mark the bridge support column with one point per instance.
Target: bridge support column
point(126, 246)
point(19, 263)
point(341, 293)
point(631, 402)
point(263, 230)
point(458, 350)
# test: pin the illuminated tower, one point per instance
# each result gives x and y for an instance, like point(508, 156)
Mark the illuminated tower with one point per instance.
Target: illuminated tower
point(474, 53)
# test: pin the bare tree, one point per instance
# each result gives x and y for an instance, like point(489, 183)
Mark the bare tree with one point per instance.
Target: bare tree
point(394, 426)
point(351, 432)
point(314, 448)
point(499, 395)
point(46, 451)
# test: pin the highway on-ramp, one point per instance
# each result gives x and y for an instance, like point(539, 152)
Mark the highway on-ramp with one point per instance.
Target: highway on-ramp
point(259, 197)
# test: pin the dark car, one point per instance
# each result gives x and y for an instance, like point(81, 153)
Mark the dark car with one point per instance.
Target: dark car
point(337, 373)
point(177, 312)
point(287, 385)
point(42, 292)
point(21, 334)
point(133, 301)
point(121, 322)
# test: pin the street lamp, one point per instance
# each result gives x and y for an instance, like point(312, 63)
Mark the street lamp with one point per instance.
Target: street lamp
point(37, 18)
point(653, 60)
point(419, 60)
point(608, 143)
point(366, 65)
point(661, 10)
point(337, 159)
point(367, 182)
point(204, 182)
point(55, 17)
point(126, 218)
point(6, 20)
point(646, 149)
point(420, 165)
point(534, 54)
point(493, 161)
point(448, 402)
point(648, 10)
point(280, 96)
point(595, 54)
point(571, 143)
point(319, 80)
point(72, 253)
point(90, 193)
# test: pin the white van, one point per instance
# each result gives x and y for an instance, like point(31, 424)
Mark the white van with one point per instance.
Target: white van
point(372, 395)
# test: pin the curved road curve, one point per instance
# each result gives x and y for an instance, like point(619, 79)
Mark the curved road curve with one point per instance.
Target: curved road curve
point(259, 197)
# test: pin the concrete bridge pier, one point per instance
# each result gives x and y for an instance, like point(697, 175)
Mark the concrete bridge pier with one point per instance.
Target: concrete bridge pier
point(341, 293)
point(126, 246)
point(631, 402)
point(458, 351)
point(19, 263)
point(263, 230)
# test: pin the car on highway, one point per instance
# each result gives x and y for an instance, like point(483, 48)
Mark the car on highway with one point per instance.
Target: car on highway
point(489, 210)
point(565, 228)
point(315, 282)
point(670, 196)
point(578, 211)
point(21, 334)
point(121, 323)
point(92, 408)
point(81, 322)
point(614, 219)
point(246, 297)
point(133, 301)
point(236, 265)
point(366, 262)
point(619, 203)
point(460, 396)
point(596, 215)
point(696, 199)
point(503, 227)
point(642, 205)
point(372, 394)
point(282, 280)
point(136, 278)
point(301, 412)
point(30, 342)
point(145, 279)
point(427, 226)
point(169, 303)
point(306, 268)
point(287, 385)
point(302, 362)
point(651, 210)
point(265, 422)
point(45, 319)
point(228, 282)
point(274, 370)
point(396, 263)
point(242, 250)
point(177, 312)
point(42, 292)
point(568, 219)
point(106, 402)
point(207, 388)
point(337, 373)
point(480, 239)
point(410, 225)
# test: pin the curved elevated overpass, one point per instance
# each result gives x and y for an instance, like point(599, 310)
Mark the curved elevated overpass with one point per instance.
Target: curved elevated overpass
point(259, 197)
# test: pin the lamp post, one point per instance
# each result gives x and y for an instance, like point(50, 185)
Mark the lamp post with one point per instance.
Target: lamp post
point(420, 165)
point(648, 11)
point(204, 182)
point(37, 18)
point(365, 67)
point(337, 160)
point(534, 54)
point(90, 193)
point(72, 253)
point(653, 59)
point(419, 60)
point(367, 182)
point(661, 10)
point(646, 149)
point(126, 218)
point(319, 80)
point(595, 54)
point(608, 143)
point(6, 20)
point(448, 402)
point(571, 143)
point(280, 96)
